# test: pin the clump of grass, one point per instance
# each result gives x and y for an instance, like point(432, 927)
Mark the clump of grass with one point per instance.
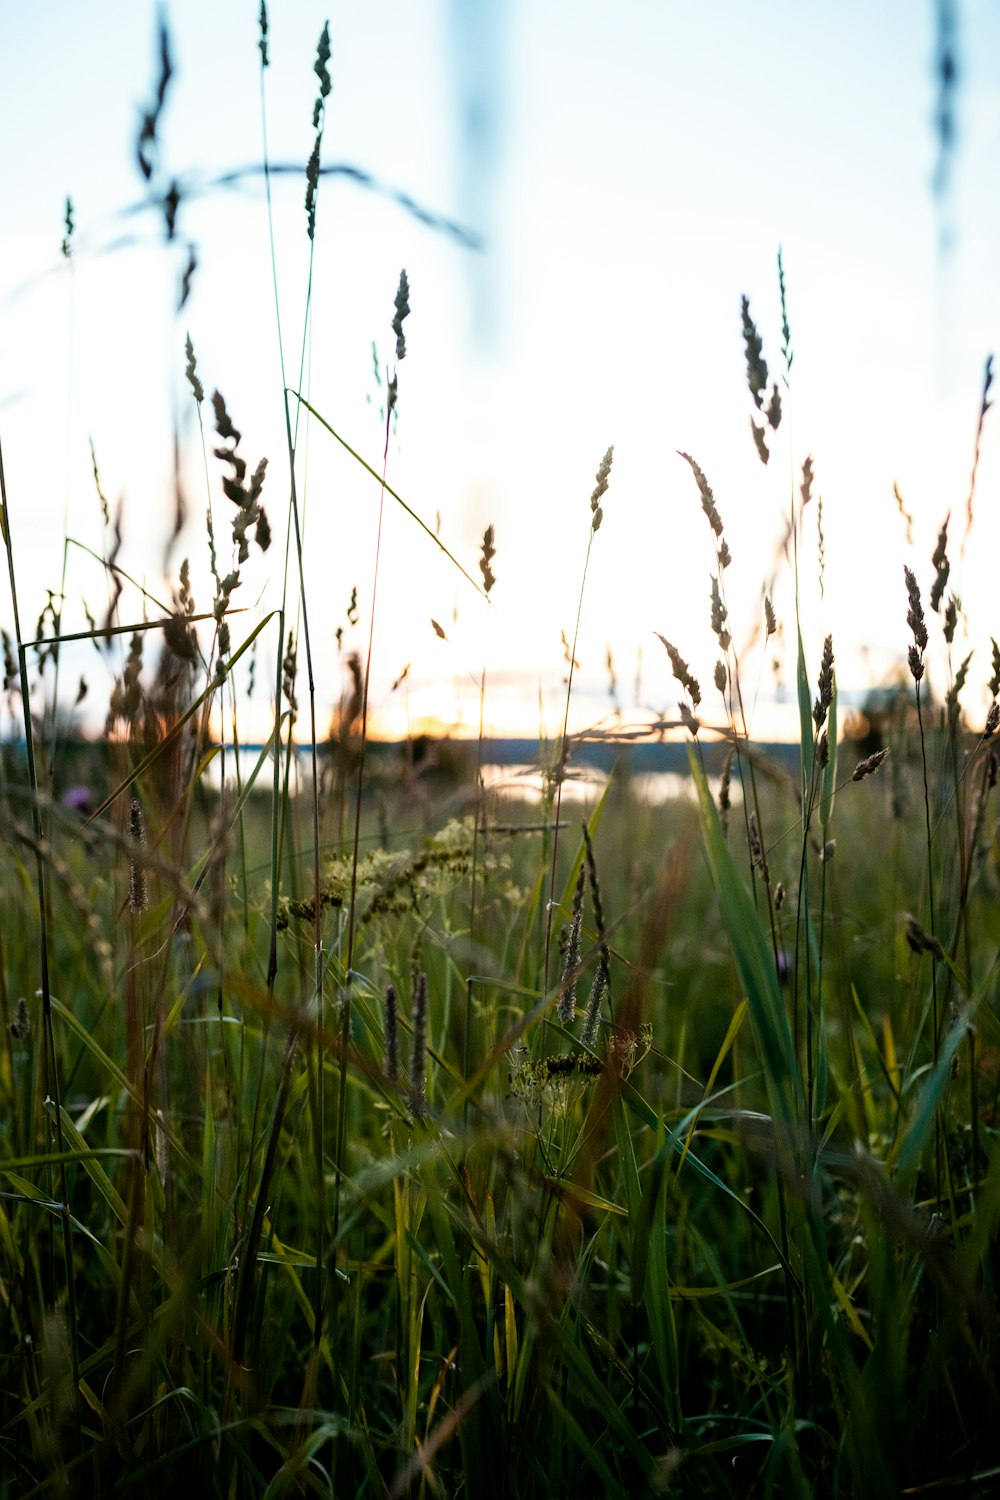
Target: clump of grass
point(738, 1236)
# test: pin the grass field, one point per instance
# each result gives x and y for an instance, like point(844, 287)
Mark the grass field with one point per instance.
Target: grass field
point(365, 1133)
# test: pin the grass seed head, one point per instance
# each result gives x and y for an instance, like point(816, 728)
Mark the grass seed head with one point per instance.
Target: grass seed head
point(942, 567)
point(391, 1033)
point(690, 721)
point(137, 895)
point(901, 507)
point(600, 488)
point(11, 674)
point(402, 305)
point(566, 1009)
point(708, 504)
point(146, 145)
point(418, 1049)
point(719, 615)
point(312, 185)
point(67, 245)
point(757, 376)
point(20, 1026)
point(869, 765)
point(825, 695)
point(725, 781)
point(486, 558)
point(786, 332)
point(915, 620)
point(757, 859)
point(595, 888)
point(191, 373)
point(682, 672)
point(920, 941)
point(760, 440)
point(320, 68)
point(187, 278)
point(952, 705)
point(289, 671)
point(265, 60)
point(593, 1017)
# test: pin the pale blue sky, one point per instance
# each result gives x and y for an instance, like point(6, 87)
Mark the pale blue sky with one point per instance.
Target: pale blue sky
point(635, 176)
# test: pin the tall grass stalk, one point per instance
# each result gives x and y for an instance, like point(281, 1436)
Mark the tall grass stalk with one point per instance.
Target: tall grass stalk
point(50, 1079)
point(562, 753)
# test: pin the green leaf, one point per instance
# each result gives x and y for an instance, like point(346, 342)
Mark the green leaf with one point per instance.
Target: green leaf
point(753, 958)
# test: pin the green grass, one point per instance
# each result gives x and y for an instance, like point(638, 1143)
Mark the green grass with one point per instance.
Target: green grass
point(744, 1243)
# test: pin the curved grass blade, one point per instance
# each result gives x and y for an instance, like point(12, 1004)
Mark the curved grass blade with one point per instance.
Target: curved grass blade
point(388, 490)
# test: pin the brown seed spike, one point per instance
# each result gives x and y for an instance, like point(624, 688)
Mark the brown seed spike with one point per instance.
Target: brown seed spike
point(708, 504)
point(825, 697)
point(391, 1033)
point(418, 1049)
point(402, 305)
point(869, 765)
point(137, 898)
point(682, 671)
point(262, 44)
point(486, 559)
point(322, 58)
point(915, 613)
point(719, 616)
point(600, 489)
point(312, 182)
point(760, 442)
point(942, 567)
point(191, 373)
point(756, 364)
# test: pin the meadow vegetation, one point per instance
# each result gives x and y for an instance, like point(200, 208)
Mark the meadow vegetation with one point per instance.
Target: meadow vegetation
point(365, 1134)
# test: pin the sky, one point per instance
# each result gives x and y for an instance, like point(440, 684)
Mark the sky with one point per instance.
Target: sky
point(620, 182)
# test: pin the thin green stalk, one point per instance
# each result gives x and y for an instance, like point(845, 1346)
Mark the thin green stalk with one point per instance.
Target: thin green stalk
point(294, 520)
point(272, 958)
point(597, 515)
point(488, 581)
point(340, 1143)
point(51, 1079)
point(560, 771)
point(931, 918)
